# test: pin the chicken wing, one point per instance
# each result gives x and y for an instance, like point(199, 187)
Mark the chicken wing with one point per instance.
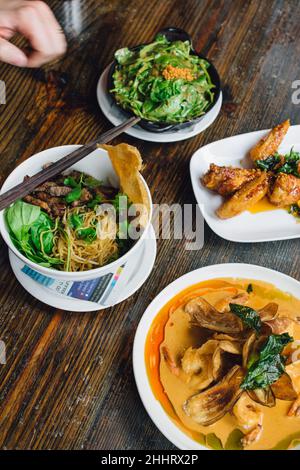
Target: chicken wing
point(225, 180)
point(269, 144)
point(249, 194)
point(285, 191)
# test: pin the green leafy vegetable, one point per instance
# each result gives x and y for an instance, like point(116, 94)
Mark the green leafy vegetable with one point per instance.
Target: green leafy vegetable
point(70, 181)
point(290, 163)
point(234, 440)
point(142, 86)
point(32, 232)
point(95, 201)
point(91, 182)
point(75, 221)
point(42, 235)
point(20, 216)
point(294, 210)
point(88, 234)
point(248, 315)
point(269, 365)
point(74, 195)
point(214, 442)
point(269, 163)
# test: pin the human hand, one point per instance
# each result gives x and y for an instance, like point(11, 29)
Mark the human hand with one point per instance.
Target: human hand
point(35, 21)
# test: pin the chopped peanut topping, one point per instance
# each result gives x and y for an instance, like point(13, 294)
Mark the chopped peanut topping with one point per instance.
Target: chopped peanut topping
point(171, 73)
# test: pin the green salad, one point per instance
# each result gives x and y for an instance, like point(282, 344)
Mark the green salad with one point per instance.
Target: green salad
point(163, 81)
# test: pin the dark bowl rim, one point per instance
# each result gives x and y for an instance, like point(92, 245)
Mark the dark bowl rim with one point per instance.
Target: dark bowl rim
point(169, 125)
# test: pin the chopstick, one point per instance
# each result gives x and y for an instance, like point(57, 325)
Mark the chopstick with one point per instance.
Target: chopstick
point(27, 186)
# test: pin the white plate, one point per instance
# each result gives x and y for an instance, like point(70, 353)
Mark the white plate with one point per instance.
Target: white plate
point(116, 117)
point(153, 407)
point(272, 225)
point(144, 259)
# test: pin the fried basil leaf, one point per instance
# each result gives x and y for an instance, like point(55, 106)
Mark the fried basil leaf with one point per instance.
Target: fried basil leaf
point(270, 364)
point(269, 163)
point(248, 315)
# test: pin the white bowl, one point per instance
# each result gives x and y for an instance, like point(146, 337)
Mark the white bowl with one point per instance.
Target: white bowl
point(96, 164)
point(152, 405)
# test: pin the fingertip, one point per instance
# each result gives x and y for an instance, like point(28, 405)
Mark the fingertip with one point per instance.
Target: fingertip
point(19, 59)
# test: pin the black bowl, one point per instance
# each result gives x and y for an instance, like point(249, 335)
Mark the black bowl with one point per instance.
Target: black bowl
point(172, 34)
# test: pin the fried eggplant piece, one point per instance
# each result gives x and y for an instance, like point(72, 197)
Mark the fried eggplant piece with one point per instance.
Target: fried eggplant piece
point(285, 191)
point(225, 180)
point(283, 388)
point(269, 144)
point(249, 194)
point(206, 316)
point(211, 405)
point(263, 396)
point(268, 312)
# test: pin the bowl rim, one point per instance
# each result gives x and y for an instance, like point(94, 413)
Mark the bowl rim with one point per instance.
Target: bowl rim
point(164, 124)
point(153, 407)
point(67, 274)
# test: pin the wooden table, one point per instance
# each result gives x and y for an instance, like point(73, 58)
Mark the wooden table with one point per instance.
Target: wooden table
point(68, 382)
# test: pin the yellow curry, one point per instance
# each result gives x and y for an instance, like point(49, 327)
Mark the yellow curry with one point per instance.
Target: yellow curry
point(206, 355)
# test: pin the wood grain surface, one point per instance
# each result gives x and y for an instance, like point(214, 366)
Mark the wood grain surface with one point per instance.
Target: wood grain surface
point(68, 382)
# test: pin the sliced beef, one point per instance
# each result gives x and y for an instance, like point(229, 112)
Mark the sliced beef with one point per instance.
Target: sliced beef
point(38, 202)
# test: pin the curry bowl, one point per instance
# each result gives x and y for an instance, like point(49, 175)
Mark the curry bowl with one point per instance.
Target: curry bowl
point(171, 34)
point(182, 398)
point(98, 165)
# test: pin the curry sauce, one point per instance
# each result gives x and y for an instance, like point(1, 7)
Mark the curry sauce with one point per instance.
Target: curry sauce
point(172, 329)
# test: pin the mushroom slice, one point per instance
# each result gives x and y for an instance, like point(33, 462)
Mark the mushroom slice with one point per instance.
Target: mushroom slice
point(263, 396)
point(198, 368)
point(281, 325)
point(221, 336)
point(223, 304)
point(283, 388)
point(205, 315)
point(268, 312)
point(211, 405)
point(249, 417)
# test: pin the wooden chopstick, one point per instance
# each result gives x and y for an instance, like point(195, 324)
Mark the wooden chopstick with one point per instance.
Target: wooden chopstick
point(27, 186)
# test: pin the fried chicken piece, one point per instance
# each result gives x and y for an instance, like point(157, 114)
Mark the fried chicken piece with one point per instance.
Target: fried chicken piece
point(269, 144)
point(249, 194)
point(285, 191)
point(225, 180)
